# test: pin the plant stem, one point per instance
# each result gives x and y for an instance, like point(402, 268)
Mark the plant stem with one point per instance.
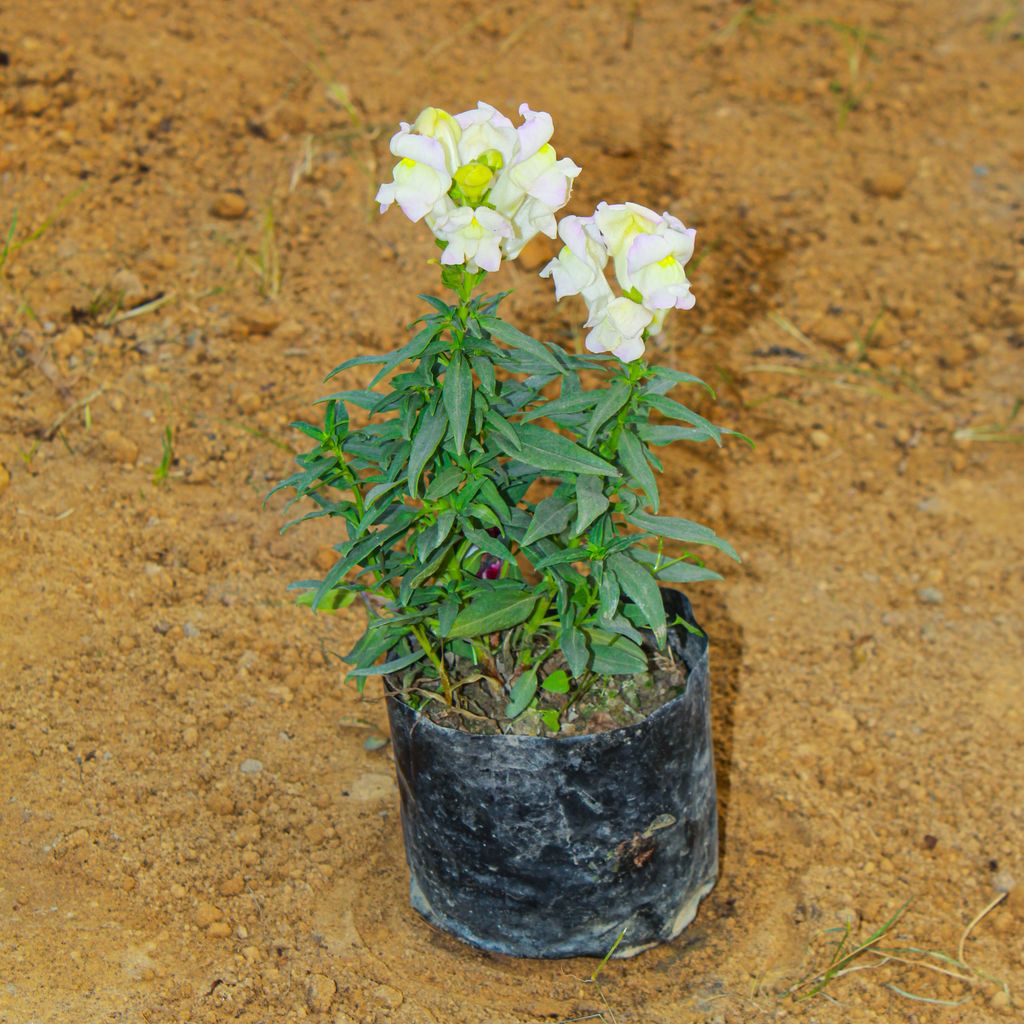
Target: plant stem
point(421, 635)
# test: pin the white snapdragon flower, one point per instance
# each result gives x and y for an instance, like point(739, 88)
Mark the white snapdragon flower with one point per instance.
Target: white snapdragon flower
point(485, 129)
point(620, 224)
point(648, 250)
point(618, 327)
point(579, 268)
point(530, 192)
point(509, 179)
point(423, 176)
point(474, 237)
point(655, 265)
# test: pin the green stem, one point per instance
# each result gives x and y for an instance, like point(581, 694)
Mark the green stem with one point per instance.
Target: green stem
point(421, 635)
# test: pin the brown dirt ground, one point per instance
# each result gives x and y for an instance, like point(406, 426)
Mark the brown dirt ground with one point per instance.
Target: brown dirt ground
point(866, 656)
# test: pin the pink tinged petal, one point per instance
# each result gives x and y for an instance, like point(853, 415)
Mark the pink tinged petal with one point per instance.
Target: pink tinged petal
point(492, 220)
point(571, 230)
point(488, 254)
point(454, 254)
point(386, 196)
point(593, 343)
point(550, 188)
point(536, 130)
point(647, 249)
point(422, 149)
point(630, 349)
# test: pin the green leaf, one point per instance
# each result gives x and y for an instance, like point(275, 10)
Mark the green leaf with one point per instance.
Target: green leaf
point(522, 693)
point(493, 611)
point(557, 682)
point(566, 404)
point(546, 450)
point(678, 377)
point(356, 361)
point(503, 427)
point(678, 411)
point(608, 594)
point(552, 515)
point(444, 483)
point(615, 655)
point(446, 616)
point(639, 585)
point(574, 647)
point(666, 433)
point(457, 394)
point(681, 529)
point(389, 666)
point(634, 458)
point(431, 428)
point(590, 502)
point(613, 400)
point(485, 542)
point(551, 718)
point(686, 572)
point(485, 371)
point(516, 339)
point(307, 428)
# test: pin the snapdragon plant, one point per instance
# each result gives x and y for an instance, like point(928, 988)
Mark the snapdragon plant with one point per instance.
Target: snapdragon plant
point(499, 505)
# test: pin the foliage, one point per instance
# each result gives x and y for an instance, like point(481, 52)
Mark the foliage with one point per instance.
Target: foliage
point(456, 473)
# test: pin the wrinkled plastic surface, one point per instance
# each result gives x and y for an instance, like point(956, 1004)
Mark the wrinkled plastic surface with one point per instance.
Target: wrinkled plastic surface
point(539, 846)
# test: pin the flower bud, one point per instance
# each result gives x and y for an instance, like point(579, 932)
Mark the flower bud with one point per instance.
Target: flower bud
point(473, 180)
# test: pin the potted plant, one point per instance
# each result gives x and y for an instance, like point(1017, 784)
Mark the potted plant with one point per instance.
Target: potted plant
point(548, 699)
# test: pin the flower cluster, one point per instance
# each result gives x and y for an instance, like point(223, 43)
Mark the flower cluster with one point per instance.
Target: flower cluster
point(649, 252)
point(483, 186)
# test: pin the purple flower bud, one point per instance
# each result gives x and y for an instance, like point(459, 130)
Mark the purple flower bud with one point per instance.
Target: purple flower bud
point(490, 568)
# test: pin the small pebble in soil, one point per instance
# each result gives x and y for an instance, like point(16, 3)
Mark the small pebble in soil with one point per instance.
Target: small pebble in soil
point(930, 595)
point(820, 439)
point(888, 184)
point(320, 990)
point(189, 630)
point(251, 766)
point(229, 206)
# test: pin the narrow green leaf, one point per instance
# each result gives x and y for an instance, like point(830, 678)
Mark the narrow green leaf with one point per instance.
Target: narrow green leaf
point(446, 481)
point(634, 458)
point(389, 666)
point(503, 427)
point(681, 529)
point(493, 611)
point(516, 339)
point(356, 361)
point(678, 377)
point(590, 502)
point(552, 515)
point(522, 693)
point(544, 449)
point(639, 585)
point(615, 655)
point(611, 402)
point(431, 428)
point(678, 411)
point(457, 394)
point(666, 433)
point(686, 572)
point(574, 647)
point(446, 616)
point(608, 594)
point(485, 371)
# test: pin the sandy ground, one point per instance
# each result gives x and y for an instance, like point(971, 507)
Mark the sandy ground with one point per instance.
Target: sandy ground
point(193, 187)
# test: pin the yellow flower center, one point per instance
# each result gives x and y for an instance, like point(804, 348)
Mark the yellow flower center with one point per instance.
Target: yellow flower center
point(667, 261)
